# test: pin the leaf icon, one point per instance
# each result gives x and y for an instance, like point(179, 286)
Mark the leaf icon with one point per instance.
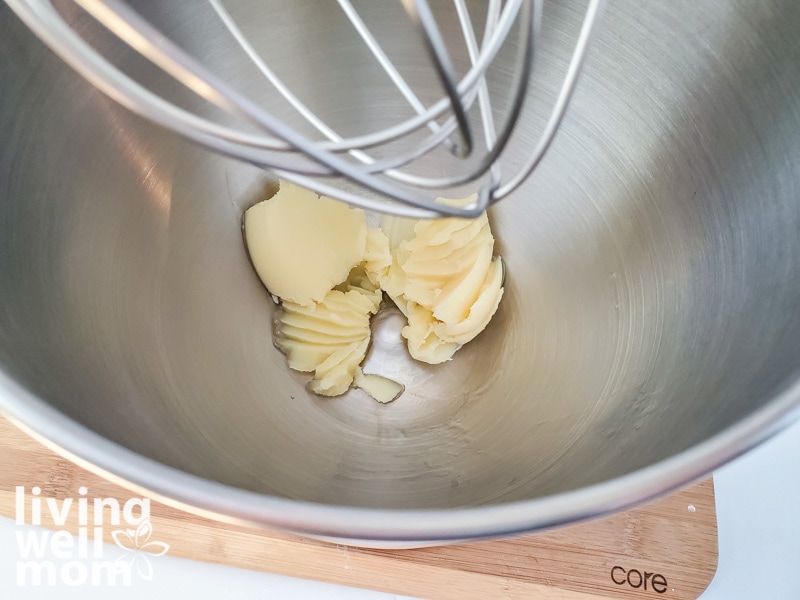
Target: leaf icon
point(143, 532)
point(123, 539)
point(144, 567)
point(136, 541)
point(155, 548)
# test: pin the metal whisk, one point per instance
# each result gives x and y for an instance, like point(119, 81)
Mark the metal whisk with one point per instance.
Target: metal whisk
point(386, 184)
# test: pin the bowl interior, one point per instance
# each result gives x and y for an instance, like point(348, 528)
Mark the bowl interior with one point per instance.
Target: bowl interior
point(653, 260)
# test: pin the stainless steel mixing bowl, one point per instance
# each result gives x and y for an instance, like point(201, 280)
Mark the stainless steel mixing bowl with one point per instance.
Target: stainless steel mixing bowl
point(650, 329)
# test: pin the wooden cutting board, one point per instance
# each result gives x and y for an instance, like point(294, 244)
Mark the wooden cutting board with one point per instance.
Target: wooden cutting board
point(668, 547)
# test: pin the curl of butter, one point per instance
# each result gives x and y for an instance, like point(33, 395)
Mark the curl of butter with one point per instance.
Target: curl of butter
point(445, 279)
point(330, 337)
point(381, 388)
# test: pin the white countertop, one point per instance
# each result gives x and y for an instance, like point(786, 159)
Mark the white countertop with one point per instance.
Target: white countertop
point(758, 511)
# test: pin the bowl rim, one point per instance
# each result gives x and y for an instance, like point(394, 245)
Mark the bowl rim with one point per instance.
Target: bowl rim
point(226, 503)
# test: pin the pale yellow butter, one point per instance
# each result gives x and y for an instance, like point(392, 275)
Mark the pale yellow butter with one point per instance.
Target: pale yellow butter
point(302, 245)
point(321, 259)
point(330, 271)
point(329, 338)
point(445, 279)
point(381, 388)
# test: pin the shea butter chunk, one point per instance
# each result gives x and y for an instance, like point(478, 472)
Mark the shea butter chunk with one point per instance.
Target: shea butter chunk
point(445, 279)
point(302, 245)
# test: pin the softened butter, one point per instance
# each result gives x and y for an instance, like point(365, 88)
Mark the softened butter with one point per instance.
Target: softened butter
point(446, 280)
point(330, 270)
point(302, 245)
point(320, 258)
